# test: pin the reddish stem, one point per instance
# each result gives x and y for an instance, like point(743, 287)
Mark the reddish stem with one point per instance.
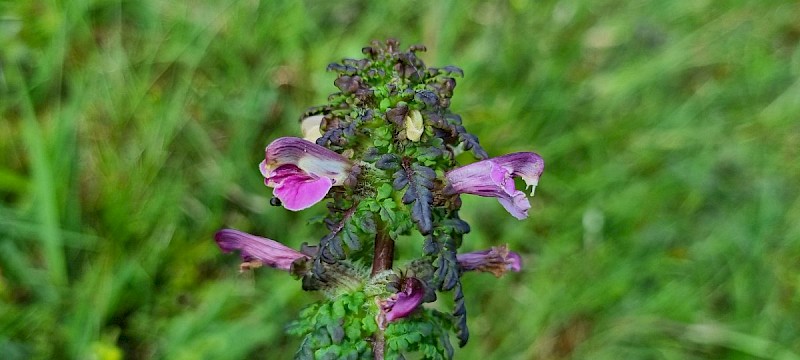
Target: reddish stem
point(384, 256)
point(384, 253)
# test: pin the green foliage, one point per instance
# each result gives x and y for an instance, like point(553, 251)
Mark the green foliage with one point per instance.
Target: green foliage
point(425, 334)
point(336, 329)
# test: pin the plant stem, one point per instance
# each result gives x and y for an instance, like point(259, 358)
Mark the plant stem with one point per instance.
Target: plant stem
point(384, 253)
point(384, 256)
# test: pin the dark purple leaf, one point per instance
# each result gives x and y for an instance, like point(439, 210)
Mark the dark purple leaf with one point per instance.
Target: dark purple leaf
point(388, 162)
point(419, 194)
point(400, 179)
point(460, 315)
point(427, 97)
point(454, 70)
point(398, 114)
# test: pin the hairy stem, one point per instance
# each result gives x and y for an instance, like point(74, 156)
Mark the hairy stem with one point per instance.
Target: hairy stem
point(384, 253)
point(384, 256)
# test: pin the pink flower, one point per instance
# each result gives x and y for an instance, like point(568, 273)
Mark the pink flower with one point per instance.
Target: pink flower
point(301, 172)
point(495, 178)
point(402, 303)
point(257, 251)
point(496, 260)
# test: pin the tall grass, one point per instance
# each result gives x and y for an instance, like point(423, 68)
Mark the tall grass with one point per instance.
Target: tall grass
point(665, 225)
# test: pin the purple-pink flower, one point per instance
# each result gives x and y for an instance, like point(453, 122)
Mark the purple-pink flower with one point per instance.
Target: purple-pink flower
point(495, 178)
point(301, 172)
point(496, 260)
point(257, 251)
point(402, 303)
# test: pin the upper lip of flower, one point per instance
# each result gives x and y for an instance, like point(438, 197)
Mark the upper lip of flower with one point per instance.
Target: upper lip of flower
point(308, 156)
point(494, 177)
point(255, 248)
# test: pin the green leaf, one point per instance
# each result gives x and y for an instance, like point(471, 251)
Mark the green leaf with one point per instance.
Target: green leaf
point(324, 313)
point(338, 309)
point(371, 204)
point(380, 142)
point(358, 299)
point(387, 214)
point(384, 191)
point(353, 331)
point(385, 104)
point(389, 203)
point(383, 132)
point(331, 352)
point(369, 325)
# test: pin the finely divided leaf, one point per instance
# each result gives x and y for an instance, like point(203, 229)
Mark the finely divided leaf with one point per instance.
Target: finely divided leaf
point(420, 184)
point(367, 223)
point(400, 179)
point(430, 246)
point(350, 237)
point(460, 315)
point(332, 244)
point(471, 143)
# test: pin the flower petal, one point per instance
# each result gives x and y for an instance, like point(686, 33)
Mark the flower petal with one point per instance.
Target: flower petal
point(312, 158)
point(310, 127)
point(301, 191)
point(403, 303)
point(414, 125)
point(496, 260)
point(516, 204)
point(527, 165)
point(256, 248)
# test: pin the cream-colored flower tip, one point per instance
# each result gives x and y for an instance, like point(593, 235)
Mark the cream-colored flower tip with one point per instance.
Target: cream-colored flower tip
point(310, 128)
point(414, 125)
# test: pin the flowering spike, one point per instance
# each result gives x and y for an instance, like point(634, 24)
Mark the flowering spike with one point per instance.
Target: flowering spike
point(383, 151)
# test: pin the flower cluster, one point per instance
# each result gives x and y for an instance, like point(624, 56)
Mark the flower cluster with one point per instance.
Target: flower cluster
point(382, 154)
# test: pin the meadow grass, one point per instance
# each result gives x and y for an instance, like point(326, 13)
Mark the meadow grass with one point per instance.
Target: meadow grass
point(665, 225)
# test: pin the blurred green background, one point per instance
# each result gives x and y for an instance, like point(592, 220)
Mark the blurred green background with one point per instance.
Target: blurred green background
point(665, 225)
